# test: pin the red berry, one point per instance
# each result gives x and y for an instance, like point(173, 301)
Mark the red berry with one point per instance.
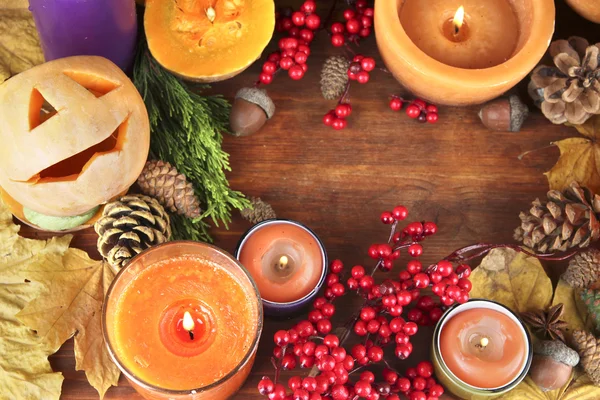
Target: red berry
point(294, 32)
point(367, 376)
point(265, 78)
point(410, 328)
point(362, 388)
point(305, 329)
point(364, 32)
point(431, 108)
point(281, 338)
point(328, 118)
point(400, 212)
point(414, 315)
point(300, 57)
point(286, 24)
point(295, 382)
point(339, 124)
point(414, 229)
point(385, 250)
point(421, 280)
point(414, 267)
point(331, 341)
point(360, 328)
point(404, 297)
point(368, 64)
point(463, 297)
point(465, 284)
point(366, 22)
point(339, 392)
point(413, 111)
point(436, 390)
point(453, 292)
point(296, 72)
point(417, 395)
point(304, 48)
point(307, 35)
point(419, 103)
point(432, 118)
point(374, 251)
point(338, 353)
point(424, 369)
point(387, 218)
point(313, 22)
point(286, 63)
point(435, 277)
point(328, 310)
point(298, 18)
point(362, 77)
point(309, 6)
point(396, 324)
point(366, 282)
point(447, 301)
point(349, 14)
point(353, 26)
point(429, 228)
point(338, 289)
point(288, 362)
point(367, 313)
point(337, 27)
point(324, 326)
point(435, 314)
point(274, 57)
point(402, 351)
point(293, 335)
point(403, 384)
point(395, 104)
point(357, 272)
point(337, 40)
point(343, 110)
point(369, 12)
point(425, 303)
point(278, 392)
point(265, 386)
point(463, 270)
point(375, 353)
point(269, 67)
point(336, 266)
point(315, 316)
point(404, 275)
point(444, 268)
point(352, 284)
point(373, 326)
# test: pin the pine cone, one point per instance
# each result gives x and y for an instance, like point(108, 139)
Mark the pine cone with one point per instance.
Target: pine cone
point(334, 77)
point(588, 348)
point(572, 86)
point(260, 211)
point(130, 225)
point(591, 298)
point(161, 180)
point(566, 220)
point(584, 269)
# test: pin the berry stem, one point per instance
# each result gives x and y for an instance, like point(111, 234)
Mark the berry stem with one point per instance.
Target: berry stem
point(327, 20)
point(346, 91)
point(462, 254)
point(278, 368)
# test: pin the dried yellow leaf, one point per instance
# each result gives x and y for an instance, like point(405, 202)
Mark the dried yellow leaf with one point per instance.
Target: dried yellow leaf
point(19, 43)
point(575, 312)
point(513, 279)
point(579, 159)
point(579, 387)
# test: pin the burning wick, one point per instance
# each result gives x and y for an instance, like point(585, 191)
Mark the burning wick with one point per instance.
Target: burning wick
point(458, 20)
point(211, 14)
point(483, 342)
point(188, 324)
point(283, 262)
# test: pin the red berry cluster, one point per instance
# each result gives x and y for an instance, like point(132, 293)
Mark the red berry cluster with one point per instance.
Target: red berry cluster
point(390, 315)
point(357, 71)
point(417, 109)
point(358, 23)
point(294, 47)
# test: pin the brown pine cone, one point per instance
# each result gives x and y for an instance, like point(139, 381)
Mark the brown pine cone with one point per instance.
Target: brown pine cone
point(130, 225)
point(260, 211)
point(588, 348)
point(334, 77)
point(584, 269)
point(572, 85)
point(161, 180)
point(568, 219)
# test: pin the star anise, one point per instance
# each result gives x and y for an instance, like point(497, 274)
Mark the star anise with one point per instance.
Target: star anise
point(548, 323)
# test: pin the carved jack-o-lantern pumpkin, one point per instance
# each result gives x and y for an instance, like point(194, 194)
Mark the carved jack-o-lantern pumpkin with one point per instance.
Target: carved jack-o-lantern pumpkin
point(74, 133)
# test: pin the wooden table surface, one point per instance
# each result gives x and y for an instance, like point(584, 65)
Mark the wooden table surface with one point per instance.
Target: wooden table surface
point(457, 173)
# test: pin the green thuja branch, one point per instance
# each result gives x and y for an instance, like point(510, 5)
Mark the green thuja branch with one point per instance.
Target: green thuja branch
point(186, 130)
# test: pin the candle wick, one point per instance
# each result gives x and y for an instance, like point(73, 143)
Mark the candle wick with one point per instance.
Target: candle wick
point(456, 30)
point(191, 334)
point(483, 342)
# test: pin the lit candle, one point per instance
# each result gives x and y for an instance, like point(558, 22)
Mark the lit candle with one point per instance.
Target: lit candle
point(481, 348)
point(287, 262)
point(460, 52)
point(180, 317)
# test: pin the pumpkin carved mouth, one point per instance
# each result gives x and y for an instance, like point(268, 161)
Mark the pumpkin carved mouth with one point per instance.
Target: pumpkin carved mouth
point(40, 111)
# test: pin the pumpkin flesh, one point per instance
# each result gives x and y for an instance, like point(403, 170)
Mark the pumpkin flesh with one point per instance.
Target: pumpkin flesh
point(208, 40)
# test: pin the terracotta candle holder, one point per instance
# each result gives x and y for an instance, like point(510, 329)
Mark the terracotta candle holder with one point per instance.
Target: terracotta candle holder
point(459, 56)
point(287, 261)
point(480, 350)
point(182, 321)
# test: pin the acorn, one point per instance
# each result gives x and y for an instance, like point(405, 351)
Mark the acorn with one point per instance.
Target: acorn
point(552, 364)
point(505, 114)
point(250, 111)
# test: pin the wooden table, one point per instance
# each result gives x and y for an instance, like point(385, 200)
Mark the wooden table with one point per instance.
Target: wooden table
point(457, 173)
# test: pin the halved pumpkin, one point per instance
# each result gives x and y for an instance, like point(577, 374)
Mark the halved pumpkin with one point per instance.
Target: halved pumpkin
point(74, 133)
point(208, 40)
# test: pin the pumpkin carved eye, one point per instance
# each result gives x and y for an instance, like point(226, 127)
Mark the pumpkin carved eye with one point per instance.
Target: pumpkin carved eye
point(75, 134)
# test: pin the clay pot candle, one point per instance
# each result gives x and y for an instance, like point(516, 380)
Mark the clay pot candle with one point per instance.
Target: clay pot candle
point(287, 261)
point(480, 350)
point(106, 28)
point(459, 52)
point(182, 321)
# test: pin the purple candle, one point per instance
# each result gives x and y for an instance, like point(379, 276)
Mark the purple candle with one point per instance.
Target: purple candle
point(106, 28)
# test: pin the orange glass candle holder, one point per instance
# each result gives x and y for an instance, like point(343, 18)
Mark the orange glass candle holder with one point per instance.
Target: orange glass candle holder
point(492, 47)
point(182, 321)
point(287, 261)
point(480, 350)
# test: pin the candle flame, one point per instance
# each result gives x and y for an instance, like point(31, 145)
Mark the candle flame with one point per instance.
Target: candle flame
point(459, 18)
point(484, 342)
point(188, 321)
point(211, 14)
point(283, 261)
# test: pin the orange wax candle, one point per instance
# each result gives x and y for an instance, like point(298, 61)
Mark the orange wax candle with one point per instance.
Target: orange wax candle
point(183, 321)
point(285, 260)
point(483, 347)
point(462, 33)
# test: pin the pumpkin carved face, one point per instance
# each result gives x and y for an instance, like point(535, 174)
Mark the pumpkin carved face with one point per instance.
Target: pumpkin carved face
point(74, 133)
